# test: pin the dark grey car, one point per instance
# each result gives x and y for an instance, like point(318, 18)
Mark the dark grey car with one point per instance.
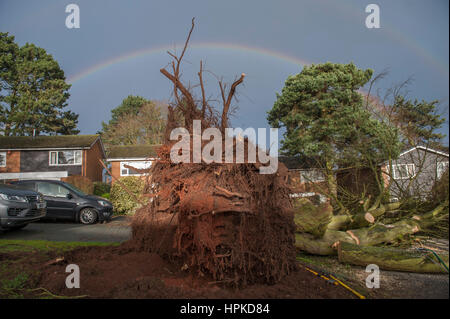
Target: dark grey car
point(65, 201)
point(20, 207)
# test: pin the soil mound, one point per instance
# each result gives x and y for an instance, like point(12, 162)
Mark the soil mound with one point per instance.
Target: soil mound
point(118, 272)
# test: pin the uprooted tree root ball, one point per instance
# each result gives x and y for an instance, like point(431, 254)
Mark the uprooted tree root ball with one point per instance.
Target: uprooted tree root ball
point(223, 220)
point(227, 221)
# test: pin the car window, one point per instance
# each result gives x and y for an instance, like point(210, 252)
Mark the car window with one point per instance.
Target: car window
point(51, 189)
point(74, 189)
point(26, 185)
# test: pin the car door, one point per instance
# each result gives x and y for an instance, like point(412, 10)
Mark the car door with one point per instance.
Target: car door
point(59, 205)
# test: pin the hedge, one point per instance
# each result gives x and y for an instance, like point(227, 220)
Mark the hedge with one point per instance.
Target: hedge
point(123, 202)
point(101, 188)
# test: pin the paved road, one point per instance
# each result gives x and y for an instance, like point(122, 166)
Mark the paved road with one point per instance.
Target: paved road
point(118, 230)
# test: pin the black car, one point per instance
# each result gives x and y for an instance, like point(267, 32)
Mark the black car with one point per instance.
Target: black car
point(65, 201)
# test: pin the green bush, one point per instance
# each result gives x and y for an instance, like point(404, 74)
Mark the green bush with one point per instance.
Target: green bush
point(105, 195)
point(101, 188)
point(123, 202)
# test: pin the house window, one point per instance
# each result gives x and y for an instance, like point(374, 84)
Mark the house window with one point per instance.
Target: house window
point(126, 171)
point(311, 176)
point(403, 171)
point(2, 159)
point(441, 168)
point(59, 158)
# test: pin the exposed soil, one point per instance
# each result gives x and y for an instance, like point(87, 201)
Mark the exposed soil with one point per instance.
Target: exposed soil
point(118, 272)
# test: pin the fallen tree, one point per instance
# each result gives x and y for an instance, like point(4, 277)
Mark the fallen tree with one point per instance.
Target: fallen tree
point(308, 240)
point(368, 236)
point(391, 259)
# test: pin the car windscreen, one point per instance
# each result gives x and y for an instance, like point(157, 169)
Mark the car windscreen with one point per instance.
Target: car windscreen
point(74, 189)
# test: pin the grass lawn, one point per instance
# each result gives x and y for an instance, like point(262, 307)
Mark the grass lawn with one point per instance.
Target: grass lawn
point(7, 245)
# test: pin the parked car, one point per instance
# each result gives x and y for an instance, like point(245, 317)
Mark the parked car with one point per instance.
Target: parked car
point(65, 201)
point(20, 207)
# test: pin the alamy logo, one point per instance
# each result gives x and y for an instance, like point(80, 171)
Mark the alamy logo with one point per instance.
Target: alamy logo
point(212, 152)
point(373, 280)
point(373, 19)
point(73, 19)
point(73, 280)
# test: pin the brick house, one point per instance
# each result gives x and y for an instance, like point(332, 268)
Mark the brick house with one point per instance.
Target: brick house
point(121, 157)
point(304, 176)
point(51, 157)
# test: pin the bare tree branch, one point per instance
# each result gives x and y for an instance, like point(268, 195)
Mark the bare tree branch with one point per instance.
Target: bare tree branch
point(226, 105)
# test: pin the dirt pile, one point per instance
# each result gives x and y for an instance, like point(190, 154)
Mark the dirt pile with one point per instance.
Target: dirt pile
point(118, 272)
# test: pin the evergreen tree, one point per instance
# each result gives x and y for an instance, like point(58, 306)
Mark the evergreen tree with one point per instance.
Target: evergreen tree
point(33, 92)
point(325, 119)
point(418, 121)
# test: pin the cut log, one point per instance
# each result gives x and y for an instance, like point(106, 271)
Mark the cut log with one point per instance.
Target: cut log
point(339, 222)
point(389, 258)
point(362, 220)
point(312, 219)
point(323, 246)
point(367, 218)
point(368, 236)
point(392, 206)
point(378, 234)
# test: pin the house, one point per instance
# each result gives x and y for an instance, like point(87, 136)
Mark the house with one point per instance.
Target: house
point(51, 157)
point(304, 176)
point(414, 172)
point(123, 158)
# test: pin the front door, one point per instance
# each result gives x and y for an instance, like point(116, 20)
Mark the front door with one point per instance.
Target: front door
point(58, 203)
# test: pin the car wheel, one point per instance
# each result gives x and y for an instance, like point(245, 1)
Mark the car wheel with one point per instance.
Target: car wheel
point(88, 216)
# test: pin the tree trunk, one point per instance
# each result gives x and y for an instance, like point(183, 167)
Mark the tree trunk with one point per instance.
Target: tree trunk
point(368, 217)
point(368, 236)
point(390, 259)
point(339, 222)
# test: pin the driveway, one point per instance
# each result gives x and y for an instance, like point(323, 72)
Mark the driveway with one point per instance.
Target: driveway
point(117, 230)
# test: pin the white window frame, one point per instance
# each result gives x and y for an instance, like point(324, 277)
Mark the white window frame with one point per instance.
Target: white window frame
point(408, 165)
point(57, 164)
point(146, 164)
point(441, 170)
point(4, 156)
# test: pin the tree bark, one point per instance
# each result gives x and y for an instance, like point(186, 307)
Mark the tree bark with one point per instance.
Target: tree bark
point(339, 222)
point(368, 217)
point(390, 259)
point(363, 236)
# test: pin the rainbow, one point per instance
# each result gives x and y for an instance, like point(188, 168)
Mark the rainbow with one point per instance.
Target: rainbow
point(202, 45)
point(358, 14)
